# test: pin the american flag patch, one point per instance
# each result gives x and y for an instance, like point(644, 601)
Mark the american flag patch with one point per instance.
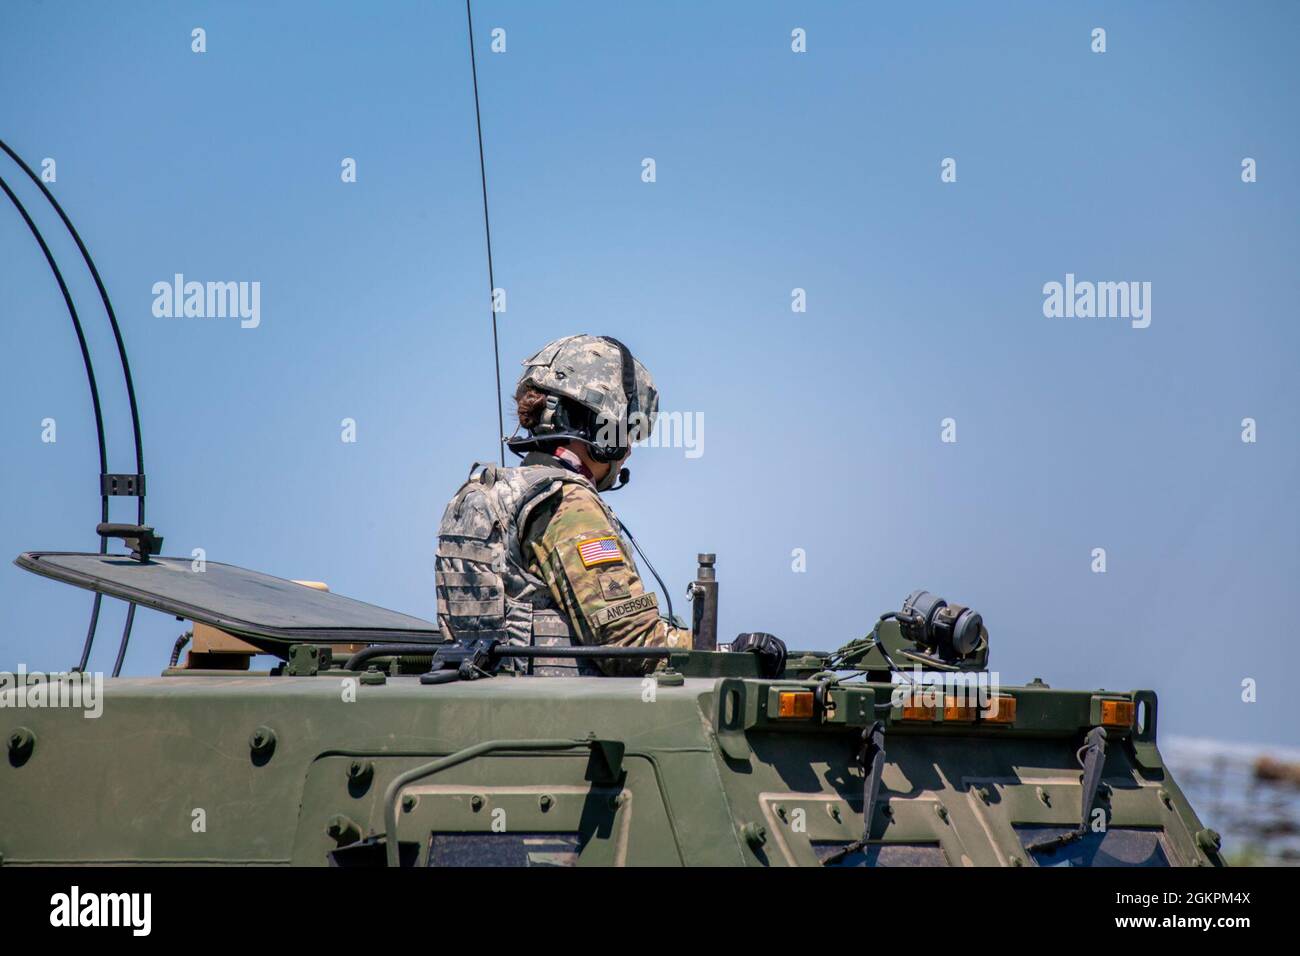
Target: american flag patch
point(603, 550)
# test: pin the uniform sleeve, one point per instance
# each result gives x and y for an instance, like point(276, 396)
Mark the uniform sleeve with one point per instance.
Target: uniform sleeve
point(591, 575)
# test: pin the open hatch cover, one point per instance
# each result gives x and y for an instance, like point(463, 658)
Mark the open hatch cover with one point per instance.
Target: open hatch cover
point(246, 603)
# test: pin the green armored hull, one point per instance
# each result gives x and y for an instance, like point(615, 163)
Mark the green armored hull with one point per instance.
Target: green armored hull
point(686, 767)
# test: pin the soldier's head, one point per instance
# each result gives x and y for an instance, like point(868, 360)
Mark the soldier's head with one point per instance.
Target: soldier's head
point(586, 393)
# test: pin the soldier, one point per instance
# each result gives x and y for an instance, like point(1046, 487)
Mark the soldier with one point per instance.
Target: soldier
point(532, 554)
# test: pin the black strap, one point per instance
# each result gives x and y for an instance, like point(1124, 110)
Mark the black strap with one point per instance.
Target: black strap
point(1094, 761)
point(629, 377)
point(871, 758)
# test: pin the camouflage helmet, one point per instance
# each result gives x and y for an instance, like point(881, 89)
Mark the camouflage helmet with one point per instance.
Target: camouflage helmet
point(613, 398)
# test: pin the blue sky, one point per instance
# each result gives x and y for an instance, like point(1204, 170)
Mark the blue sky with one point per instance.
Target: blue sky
point(775, 171)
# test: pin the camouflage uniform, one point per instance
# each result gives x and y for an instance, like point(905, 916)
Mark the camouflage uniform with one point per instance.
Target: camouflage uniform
point(532, 555)
point(596, 583)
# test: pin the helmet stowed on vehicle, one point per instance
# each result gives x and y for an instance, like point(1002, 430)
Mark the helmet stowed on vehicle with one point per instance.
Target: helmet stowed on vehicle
point(596, 393)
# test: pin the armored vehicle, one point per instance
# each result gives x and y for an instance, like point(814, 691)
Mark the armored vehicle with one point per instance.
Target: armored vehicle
point(378, 739)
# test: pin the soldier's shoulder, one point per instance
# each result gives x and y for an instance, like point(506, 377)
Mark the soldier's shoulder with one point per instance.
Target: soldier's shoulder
point(575, 509)
point(579, 499)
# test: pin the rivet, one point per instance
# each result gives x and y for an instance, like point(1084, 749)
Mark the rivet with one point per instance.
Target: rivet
point(262, 741)
point(343, 829)
point(21, 744)
point(1209, 840)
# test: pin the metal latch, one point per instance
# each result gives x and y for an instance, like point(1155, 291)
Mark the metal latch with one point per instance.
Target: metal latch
point(138, 537)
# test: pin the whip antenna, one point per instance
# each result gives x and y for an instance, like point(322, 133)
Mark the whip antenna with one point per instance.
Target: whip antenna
point(487, 229)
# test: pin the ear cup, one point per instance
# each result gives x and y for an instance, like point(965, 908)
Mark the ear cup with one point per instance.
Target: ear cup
point(607, 453)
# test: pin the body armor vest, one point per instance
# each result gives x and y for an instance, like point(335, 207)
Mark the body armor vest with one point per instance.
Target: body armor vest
point(481, 572)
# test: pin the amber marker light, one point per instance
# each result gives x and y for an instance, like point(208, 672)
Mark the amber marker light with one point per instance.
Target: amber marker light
point(794, 704)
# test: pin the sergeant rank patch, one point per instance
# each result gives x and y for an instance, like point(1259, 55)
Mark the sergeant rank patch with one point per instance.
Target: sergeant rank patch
point(613, 584)
point(602, 550)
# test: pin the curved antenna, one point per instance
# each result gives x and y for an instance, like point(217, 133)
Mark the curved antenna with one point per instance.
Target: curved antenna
point(94, 392)
point(112, 321)
point(487, 228)
point(99, 423)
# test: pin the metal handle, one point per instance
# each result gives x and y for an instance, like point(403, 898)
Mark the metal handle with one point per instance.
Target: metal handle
point(460, 756)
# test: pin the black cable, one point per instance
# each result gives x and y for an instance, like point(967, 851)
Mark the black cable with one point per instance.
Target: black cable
point(94, 394)
point(178, 647)
point(112, 318)
point(126, 637)
point(487, 228)
point(452, 671)
point(130, 395)
point(76, 324)
point(585, 651)
point(94, 620)
point(579, 652)
point(663, 587)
